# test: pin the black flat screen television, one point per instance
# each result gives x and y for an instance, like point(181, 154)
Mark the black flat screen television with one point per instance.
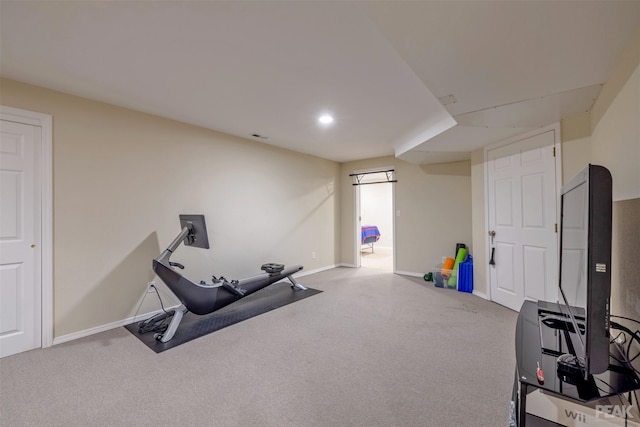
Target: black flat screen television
point(585, 267)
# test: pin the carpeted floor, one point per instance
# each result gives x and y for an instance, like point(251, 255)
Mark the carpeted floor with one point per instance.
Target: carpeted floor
point(373, 349)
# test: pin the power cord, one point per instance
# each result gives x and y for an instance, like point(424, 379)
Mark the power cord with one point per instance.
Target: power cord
point(626, 413)
point(626, 354)
point(633, 336)
point(157, 323)
point(628, 408)
point(159, 298)
point(625, 318)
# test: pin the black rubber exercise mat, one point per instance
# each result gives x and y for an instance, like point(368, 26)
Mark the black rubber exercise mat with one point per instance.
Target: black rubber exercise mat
point(194, 326)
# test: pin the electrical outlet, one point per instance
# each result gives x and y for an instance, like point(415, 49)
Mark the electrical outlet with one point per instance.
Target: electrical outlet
point(150, 286)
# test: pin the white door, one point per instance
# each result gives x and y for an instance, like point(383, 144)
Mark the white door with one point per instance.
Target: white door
point(523, 214)
point(20, 238)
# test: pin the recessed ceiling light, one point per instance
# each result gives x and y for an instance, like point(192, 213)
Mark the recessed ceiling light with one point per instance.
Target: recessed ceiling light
point(325, 119)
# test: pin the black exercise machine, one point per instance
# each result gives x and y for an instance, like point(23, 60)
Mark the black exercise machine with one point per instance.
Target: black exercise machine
point(204, 298)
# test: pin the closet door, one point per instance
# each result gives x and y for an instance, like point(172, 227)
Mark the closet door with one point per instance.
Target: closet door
point(20, 238)
point(522, 191)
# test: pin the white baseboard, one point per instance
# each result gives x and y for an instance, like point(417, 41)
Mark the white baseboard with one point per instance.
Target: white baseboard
point(316, 270)
point(410, 273)
point(107, 327)
point(480, 294)
point(347, 265)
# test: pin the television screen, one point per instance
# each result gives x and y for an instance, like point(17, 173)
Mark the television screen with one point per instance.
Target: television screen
point(573, 270)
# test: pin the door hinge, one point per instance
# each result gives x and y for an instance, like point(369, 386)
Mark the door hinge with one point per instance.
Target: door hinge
point(556, 227)
point(554, 151)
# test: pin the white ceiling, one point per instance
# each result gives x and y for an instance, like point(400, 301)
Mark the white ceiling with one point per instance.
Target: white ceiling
point(380, 67)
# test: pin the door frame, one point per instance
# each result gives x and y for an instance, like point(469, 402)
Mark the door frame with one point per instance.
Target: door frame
point(357, 260)
point(44, 121)
point(557, 144)
point(356, 223)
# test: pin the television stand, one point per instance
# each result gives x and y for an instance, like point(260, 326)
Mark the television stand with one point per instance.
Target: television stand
point(529, 353)
point(551, 315)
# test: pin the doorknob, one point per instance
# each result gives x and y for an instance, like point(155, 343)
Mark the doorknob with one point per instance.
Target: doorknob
point(492, 234)
point(33, 245)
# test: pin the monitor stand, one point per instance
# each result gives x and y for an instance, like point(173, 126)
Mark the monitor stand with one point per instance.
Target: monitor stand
point(557, 335)
point(570, 369)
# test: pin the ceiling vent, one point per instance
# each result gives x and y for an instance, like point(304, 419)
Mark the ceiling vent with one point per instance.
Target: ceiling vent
point(446, 100)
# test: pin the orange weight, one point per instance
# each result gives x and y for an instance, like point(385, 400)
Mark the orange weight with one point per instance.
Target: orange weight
point(447, 266)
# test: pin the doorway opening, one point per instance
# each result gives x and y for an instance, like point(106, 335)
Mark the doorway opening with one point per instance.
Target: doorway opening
point(375, 241)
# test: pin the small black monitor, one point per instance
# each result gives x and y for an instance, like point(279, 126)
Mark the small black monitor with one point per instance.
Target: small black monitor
point(197, 231)
point(585, 265)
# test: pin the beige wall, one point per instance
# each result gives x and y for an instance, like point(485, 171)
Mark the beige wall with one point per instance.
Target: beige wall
point(625, 269)
point(376, 208)
point(435, 211)
point(576, 145)
point(615, 143)
point(121, 178)
point(479, 246)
